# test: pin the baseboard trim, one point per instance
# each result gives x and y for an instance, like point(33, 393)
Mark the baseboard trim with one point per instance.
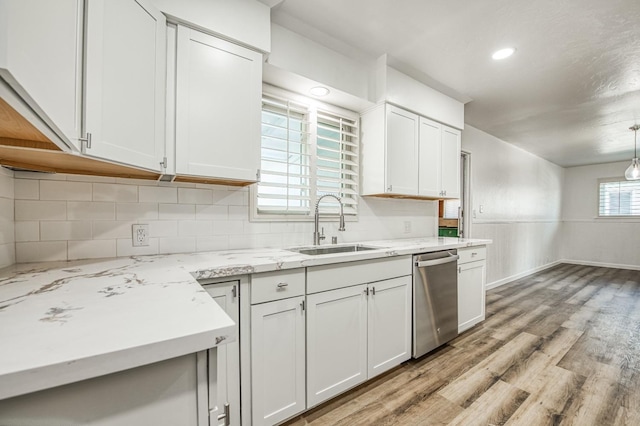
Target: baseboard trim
point(601, 264)
point(522, 274)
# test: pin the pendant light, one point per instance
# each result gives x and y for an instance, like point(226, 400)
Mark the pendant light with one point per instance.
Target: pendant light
point(633, 171)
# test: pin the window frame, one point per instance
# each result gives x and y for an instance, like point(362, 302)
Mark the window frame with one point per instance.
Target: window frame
point(633, 218)
point(314, 106)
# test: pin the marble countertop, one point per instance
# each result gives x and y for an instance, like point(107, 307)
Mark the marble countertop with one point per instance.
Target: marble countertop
point(62, 322)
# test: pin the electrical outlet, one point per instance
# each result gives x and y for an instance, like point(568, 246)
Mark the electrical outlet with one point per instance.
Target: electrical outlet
point(407, 226)
point(140, 235)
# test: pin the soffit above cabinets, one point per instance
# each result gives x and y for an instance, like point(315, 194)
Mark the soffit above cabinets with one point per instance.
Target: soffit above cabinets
point(568, 94)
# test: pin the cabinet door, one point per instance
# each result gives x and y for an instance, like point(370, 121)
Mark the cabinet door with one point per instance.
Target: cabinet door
point(401, 151)
point(125, 82)
point(471, 294)
point(389, 325)
point(450, 167)
point(336, 342)
point(41, 59)
point(224, 361)
point(277, 360)
point(429, 158)
point(218, 107)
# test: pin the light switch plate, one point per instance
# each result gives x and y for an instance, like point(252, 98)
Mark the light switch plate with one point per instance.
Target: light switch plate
point(140, 235)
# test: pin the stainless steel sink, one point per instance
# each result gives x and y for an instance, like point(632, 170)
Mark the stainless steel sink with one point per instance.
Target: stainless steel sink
point(348, 248)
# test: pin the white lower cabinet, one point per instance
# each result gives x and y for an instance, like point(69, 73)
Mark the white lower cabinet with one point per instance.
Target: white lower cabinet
point(356, 333)
point(336, 342)
point(472, 273)
point(277, 346)
point(224, 363)
point(389, 324)
point(318, 332)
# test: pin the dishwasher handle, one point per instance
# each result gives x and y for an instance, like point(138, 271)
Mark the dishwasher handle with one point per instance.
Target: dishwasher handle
point(425, 263)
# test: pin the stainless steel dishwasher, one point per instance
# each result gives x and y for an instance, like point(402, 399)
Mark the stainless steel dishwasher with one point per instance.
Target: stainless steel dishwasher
point(435, 300)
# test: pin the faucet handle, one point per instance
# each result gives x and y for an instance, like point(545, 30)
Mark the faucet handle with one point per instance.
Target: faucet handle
point(321, 236)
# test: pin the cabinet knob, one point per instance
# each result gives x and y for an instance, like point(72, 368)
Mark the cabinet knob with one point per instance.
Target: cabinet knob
point(389, 188)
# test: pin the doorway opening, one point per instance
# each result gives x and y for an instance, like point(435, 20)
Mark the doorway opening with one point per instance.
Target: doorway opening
point(453, 220)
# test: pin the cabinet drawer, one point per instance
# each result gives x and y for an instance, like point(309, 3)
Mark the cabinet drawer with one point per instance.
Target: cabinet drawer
point(471, 254)
point(276, 285)
point(330, 277)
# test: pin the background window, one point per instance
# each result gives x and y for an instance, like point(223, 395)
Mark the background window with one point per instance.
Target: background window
point(619, 198)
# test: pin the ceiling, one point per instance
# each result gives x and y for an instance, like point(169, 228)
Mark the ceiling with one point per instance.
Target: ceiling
point(569, 94)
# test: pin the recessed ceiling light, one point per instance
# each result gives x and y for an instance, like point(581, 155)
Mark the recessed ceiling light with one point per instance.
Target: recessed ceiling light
point(319, 91)
point(503, 53)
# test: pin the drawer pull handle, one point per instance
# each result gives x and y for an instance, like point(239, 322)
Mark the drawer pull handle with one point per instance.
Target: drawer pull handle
point(474, 254)
point(282, 286)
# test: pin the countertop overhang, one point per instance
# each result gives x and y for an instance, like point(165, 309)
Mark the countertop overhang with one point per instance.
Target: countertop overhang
point(62, 322)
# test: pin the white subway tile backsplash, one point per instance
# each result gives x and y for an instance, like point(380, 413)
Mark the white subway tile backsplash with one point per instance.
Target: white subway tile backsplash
point(215, 212)
point(177, 245)
point(91, 249)
point(195, 228)
point(139, 182)
point(163, 228)
point(64, 190)
point(27, 231)
point(177, 211)
point(239, 212)
point(195, 196)
point(41, 251)
point(7, 255)
point(157, 194)
point(115, 192)
point(111, 229)
point(136, 211)
point(219, 242)
point(91, 210)
point(27, 189)
point(234, 197)
point(7, 187)
point(7, 207)
point(88, 178)
point(227, 227)
point(39, 175)
point(124, 247)
point(40, 210)
point(182, 218)
point(256, 227)
point(61, 231)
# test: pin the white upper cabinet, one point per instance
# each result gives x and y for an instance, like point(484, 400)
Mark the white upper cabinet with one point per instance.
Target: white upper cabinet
point(41, 60)
point(401, 151)
point(450, 162)
point(439, 164)
point(404, 154)
point(389, 151)
point(217, 108)
point(429, 158)
point(125, 82)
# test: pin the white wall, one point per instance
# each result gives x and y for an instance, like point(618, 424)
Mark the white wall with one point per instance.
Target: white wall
point(7, 246)
point(587, 238)
point(521, 199)
point(65, 217)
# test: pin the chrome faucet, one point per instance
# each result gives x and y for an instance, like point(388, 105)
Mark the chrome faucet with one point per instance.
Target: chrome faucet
point(317, 237)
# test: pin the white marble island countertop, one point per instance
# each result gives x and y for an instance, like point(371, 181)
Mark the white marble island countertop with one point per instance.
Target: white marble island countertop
point(68, 321)
point(63, 322)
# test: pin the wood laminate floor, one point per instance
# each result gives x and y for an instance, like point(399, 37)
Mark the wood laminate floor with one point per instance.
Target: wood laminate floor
point(561, 347)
